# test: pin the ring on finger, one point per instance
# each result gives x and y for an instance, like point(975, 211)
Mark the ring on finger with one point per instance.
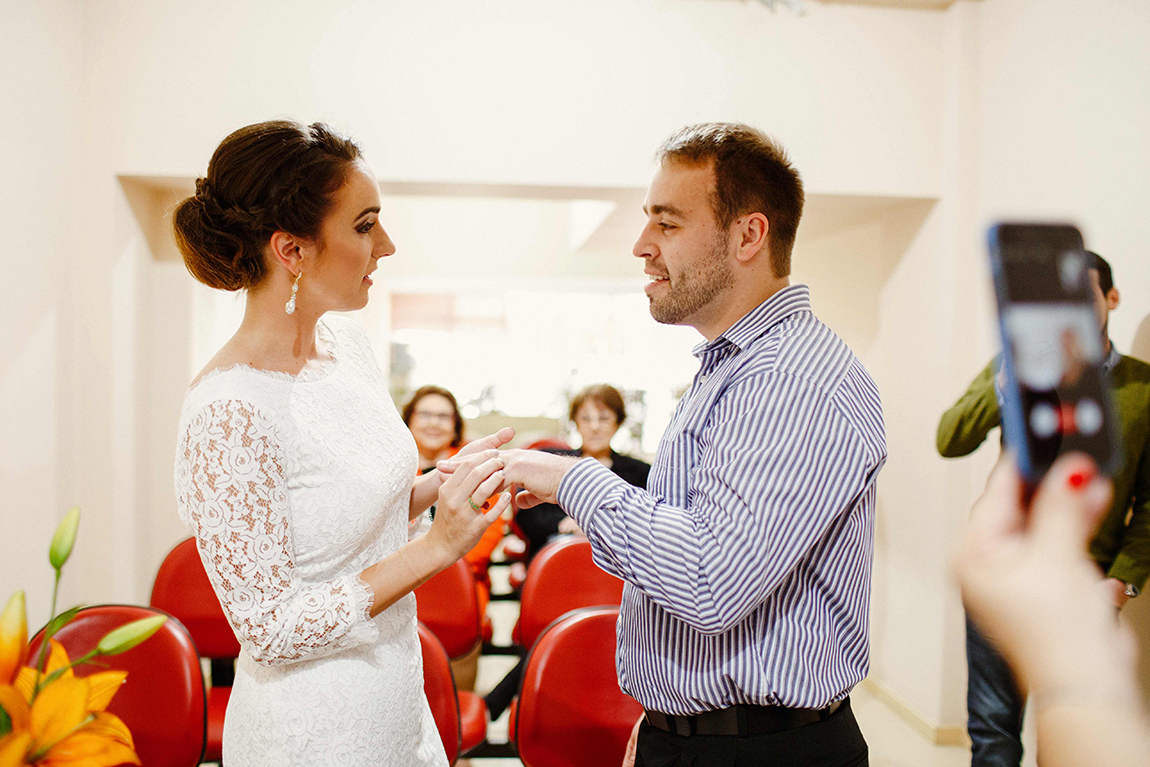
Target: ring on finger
point(476, 506)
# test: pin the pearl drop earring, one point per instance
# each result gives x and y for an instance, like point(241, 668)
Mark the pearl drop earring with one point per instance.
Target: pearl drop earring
point(290, 307)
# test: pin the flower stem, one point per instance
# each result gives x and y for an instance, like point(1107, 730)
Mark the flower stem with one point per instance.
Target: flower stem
point(44, 646)
point(55, 593)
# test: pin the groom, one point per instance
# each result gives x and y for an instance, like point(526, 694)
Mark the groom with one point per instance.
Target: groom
point(747, 559)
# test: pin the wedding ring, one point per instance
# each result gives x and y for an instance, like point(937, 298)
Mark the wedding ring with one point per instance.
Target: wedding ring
point(474, 505)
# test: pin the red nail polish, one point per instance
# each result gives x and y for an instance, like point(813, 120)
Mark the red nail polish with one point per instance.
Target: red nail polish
point(1079, 478)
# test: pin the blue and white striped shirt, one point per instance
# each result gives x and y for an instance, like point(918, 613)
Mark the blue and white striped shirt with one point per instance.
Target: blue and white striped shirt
point(748, 557)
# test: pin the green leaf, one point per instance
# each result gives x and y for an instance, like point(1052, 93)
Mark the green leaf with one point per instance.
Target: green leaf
point(5, 722)
point(64, 539)
point(129, 635)
point(59, 622)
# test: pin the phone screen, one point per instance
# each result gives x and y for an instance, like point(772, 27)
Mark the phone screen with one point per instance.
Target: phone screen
point(1055, 389)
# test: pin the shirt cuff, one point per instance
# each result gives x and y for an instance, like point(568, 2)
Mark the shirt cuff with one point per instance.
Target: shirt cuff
point(585, 488)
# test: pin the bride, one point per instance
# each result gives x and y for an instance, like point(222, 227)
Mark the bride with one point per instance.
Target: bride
point(294, 471)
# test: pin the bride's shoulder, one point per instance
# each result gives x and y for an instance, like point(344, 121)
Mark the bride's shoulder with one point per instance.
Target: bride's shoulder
point(227, 358)
point(229, 381)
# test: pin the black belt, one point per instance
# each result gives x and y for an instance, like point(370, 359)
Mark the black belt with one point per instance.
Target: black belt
point(742, 720)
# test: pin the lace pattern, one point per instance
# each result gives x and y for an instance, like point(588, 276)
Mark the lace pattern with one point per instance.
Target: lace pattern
point(292, 485)
point(237, 506)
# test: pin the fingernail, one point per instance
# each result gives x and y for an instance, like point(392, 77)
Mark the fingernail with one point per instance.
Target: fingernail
point(1078, 479)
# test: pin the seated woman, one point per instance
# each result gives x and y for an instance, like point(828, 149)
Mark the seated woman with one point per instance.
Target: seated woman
point(598, 412)
point(432, 415)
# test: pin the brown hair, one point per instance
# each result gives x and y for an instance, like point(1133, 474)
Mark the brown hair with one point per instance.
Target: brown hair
point(752, 175)
point(423, 391)
point(604, 394)
point(271, 176)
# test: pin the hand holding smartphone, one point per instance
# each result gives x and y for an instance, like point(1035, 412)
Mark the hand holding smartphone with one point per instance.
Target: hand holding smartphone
point(1055, 392)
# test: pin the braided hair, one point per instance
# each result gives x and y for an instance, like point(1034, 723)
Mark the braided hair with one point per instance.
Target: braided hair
point(272, 176)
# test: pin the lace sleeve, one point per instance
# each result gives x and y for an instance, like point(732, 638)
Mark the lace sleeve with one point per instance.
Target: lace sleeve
point(232, 493)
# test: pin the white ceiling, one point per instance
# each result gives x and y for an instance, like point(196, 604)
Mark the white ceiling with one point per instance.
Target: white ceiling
point(936, 5)
point(919, 4)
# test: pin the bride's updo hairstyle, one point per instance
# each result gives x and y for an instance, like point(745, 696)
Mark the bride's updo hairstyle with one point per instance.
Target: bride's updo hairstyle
point(271, 176)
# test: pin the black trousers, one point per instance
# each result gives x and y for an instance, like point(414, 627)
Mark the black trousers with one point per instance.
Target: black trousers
point(837, 742)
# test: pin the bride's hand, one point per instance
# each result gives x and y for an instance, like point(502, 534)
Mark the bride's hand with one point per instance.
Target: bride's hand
point(490, 442)
point(461, 516)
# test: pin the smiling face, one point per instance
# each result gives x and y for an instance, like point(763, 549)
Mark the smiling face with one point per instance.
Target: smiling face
point(350, 242)
point(433, 425)
point(687, 253)
point(596, 424)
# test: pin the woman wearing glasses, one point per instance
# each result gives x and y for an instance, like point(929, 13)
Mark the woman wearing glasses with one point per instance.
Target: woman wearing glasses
point(432, 415)
point(597, 412)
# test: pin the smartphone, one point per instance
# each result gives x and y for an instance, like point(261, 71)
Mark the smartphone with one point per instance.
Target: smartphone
point(1055, 393)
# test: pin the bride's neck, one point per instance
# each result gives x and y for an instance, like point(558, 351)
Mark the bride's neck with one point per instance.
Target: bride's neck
point(275, 339)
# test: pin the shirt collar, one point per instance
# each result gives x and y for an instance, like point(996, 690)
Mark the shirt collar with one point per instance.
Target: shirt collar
point(788, 301)
point(1112, 358)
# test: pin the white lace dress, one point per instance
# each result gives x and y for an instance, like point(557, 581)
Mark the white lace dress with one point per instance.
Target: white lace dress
point(292, 486)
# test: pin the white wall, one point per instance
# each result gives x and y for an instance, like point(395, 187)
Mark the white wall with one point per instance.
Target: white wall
point(1046, 105)
point(40, 47)
point(518, 92)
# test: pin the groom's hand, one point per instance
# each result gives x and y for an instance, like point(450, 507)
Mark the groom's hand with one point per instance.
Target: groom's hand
point(538, 473)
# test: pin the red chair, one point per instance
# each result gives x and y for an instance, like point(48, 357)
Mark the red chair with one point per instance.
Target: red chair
point(182, 588)
point(562, 577)
point(571, 711)
point(162, 702)
point(449, 606)
point(460, 717)
point(548, 443)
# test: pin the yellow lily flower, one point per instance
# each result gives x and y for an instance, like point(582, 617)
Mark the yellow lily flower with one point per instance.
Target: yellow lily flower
point(103, 742)
point(13, 747)
point(102, 685)
point(65, 725)
point(58, 711)
point(13, 637)
point(13, 702)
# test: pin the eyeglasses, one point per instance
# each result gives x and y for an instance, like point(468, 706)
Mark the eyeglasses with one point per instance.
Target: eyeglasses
point(596, 420)
point(429, 417)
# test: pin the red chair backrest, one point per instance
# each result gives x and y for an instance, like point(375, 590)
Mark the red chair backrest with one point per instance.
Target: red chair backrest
point(449, 606)
point(439, 686)
point(182, 588)
point(163, 701)
point(561, 578)
point(571, 711)
point(548, 443)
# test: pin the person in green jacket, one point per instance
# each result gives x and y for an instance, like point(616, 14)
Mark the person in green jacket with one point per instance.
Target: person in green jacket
point(1120, 547)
